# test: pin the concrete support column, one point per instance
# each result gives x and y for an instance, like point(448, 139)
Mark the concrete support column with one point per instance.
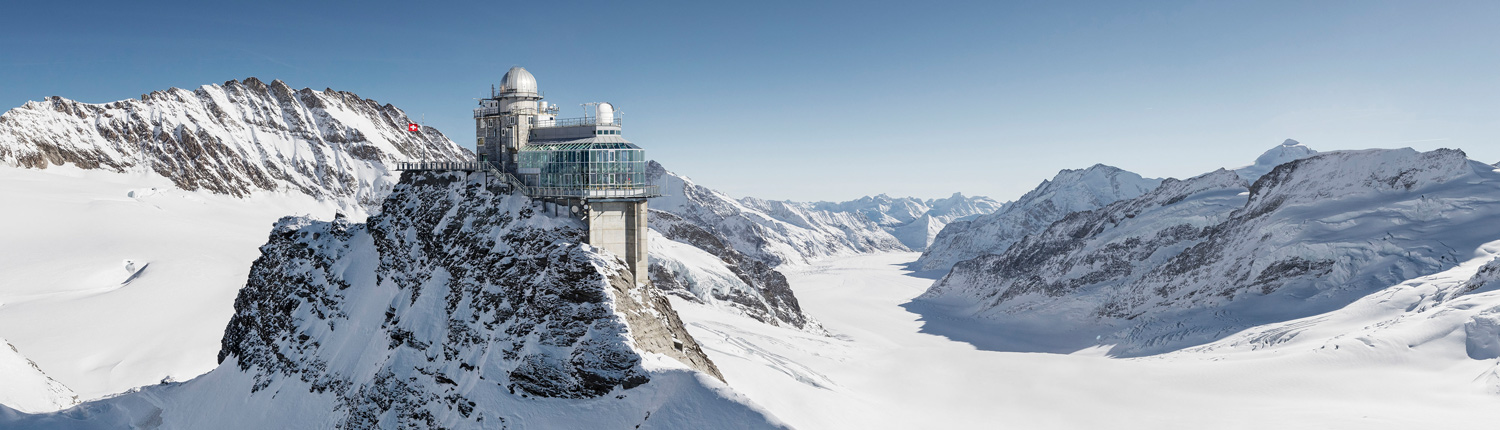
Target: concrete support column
point(620, 227)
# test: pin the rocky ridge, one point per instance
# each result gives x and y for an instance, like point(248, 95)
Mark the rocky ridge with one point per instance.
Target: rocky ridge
point(239, 138)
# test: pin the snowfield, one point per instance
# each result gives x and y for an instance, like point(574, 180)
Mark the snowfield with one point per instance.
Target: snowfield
point(879, 370)
point(72, 234)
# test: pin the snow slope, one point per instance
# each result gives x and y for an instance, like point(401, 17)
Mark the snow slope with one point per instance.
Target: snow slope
point(459, 306)
point(1191, 263)
point(1069, 191)
point(65, 299)
point(27, 388)
point(880, 371)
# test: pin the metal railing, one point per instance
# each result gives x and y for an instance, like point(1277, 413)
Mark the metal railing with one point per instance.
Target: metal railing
point(581, 191)
point(597, 192)
point(576, 122)
point(438, 165)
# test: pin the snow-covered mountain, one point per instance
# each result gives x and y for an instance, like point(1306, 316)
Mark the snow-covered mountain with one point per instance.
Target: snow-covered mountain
point(27, 388)
point(773, 232)
point(1197, 260)
point(458, 306)
point(1288, 151)
point(139, 219)
point(1070, 191)
point(238, 138)
point(914, 221)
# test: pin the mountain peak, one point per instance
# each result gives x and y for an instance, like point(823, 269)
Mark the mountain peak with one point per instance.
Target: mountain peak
point(1288, 151)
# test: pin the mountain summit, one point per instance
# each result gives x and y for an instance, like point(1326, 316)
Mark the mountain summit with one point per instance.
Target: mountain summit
point(1287, 151)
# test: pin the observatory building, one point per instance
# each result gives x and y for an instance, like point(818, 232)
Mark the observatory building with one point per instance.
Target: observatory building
point(581, 167)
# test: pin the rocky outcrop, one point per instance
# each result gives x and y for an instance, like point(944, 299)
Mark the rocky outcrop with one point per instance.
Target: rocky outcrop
point(238, 138)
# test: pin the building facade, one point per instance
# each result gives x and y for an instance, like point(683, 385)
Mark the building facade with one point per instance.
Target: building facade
point(582, 167)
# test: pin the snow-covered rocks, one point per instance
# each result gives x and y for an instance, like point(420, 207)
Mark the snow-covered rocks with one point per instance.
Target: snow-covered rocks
point(26, 388)
point(1070, 191)
point(1312, 235)
point(459, 307)
point(238, 138)
point(690, 262)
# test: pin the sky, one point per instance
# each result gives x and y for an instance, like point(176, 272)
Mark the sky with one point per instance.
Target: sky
point(833, 101)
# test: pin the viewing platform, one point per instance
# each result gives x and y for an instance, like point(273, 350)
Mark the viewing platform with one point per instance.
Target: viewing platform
point(602, 190)
point(420, 166)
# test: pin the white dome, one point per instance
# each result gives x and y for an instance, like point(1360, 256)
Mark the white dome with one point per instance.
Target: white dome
point(518, 82)
point(605, 113)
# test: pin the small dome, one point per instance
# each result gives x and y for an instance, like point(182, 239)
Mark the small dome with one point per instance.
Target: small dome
point(518, 82)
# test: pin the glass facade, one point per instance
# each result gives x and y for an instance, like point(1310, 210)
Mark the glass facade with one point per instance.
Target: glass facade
point(585, 169)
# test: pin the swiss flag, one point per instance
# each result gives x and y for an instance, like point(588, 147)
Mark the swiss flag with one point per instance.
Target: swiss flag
point(413, 127)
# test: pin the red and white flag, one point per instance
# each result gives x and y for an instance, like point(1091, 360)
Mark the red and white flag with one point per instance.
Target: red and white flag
point(413, 127)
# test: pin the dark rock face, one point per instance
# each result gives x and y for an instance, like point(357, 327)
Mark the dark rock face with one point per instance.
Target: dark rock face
point(771, 300)
point(236, 139)
point(1197, 260)
point(453, 281)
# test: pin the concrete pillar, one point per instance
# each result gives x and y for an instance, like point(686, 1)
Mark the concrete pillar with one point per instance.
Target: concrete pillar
point(620, 227)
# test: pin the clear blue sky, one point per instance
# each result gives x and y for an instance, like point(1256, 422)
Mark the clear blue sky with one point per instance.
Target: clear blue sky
point(832, 101)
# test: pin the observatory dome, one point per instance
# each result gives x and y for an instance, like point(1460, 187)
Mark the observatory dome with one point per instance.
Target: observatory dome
point(518, 82)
